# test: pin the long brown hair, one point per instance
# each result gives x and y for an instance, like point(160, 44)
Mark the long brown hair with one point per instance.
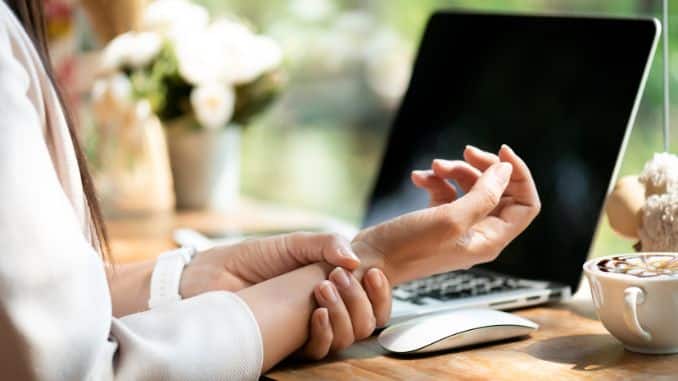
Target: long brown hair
point(31, 15)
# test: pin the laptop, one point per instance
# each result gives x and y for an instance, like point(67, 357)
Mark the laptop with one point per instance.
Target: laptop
point(562, 91)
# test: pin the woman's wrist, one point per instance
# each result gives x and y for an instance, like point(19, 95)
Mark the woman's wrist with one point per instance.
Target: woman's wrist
point(370, 257)
point(129, 286)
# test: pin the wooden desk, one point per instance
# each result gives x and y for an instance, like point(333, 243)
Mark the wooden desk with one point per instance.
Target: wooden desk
point(567, 346)
point(570, 344)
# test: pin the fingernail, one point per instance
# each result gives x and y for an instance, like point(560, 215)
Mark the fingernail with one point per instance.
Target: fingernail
point(348, 253)
point(340, 278)
point(419, 172)
point(478, 150)
point(328, 294)
point(440, 163)
point(323, 319)
point(507, 147)
point(375, 279)
point(503, 171)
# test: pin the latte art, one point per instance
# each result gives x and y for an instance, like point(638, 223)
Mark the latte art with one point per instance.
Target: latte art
point(643, 266)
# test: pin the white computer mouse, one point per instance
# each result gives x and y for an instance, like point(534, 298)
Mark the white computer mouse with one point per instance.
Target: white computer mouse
point(453, 329)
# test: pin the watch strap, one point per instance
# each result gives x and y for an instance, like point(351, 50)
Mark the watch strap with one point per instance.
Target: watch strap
point(166, 276)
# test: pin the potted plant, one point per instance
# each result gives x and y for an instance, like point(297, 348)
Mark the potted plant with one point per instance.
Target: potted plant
point(204, 81)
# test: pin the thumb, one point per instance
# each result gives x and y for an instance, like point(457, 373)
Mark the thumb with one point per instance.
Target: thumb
point(475, 205)
point(483, 197)
point(331, 248)
point(338, 252)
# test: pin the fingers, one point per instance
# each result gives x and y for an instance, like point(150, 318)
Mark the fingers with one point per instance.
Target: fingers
point(327, 296)
point(313, 247)
point(479, 158)
point(479, 202)
point(357, 303)
point(439, 190)
point(523, 205)
point(462, 172)
point(522, 187)
point(345, 313)
point(321, 336)
point(379, 291)
point(514, 214)
point(445, 222)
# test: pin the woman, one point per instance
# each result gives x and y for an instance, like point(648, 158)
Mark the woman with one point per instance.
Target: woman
point(244, 307)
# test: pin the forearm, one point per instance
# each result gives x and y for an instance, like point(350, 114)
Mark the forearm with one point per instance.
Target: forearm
point(129, 286)
point(283, 307)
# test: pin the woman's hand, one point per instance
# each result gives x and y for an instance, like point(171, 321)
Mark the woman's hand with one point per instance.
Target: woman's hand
point(455, 233)
point(241, 265)
point(347, 312)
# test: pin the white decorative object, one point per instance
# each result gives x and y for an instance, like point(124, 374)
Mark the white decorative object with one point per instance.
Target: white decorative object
point(213, 104)
point(660, 175)
point(646, 207)
point(173, 17)
point(135, 49)
point(205, 165)
point(203, 80)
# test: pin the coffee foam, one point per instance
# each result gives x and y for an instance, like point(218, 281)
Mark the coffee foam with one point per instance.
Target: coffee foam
point(642, 265)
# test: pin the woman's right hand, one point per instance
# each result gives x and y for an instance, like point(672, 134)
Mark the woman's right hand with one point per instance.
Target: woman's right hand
point(501, 200)
point(348, 309)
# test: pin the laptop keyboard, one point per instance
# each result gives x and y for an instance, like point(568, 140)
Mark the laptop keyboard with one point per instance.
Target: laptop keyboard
point(455, 284)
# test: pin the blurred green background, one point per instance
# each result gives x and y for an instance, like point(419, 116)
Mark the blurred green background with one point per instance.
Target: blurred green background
point(348, 63)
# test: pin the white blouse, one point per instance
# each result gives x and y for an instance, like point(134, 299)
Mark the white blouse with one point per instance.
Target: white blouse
point(55, 310)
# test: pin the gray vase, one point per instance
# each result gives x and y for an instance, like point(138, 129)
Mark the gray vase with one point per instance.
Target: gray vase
point(205, 165)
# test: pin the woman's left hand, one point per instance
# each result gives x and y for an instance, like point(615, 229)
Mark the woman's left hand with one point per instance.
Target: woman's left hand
point(234, 267)
point(348, 311)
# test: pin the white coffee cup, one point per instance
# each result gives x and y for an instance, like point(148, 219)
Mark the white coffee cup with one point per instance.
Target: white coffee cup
point(642, 313)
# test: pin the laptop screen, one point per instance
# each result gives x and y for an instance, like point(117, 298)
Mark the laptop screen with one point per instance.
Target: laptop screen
point(559, 90)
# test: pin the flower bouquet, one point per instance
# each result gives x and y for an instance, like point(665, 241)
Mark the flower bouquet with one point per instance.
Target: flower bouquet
point(202, 80)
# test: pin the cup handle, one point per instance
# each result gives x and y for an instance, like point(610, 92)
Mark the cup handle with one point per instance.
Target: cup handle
point(633, 296)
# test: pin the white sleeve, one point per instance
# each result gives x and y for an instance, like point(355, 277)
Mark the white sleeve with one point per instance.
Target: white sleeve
point(55, 309)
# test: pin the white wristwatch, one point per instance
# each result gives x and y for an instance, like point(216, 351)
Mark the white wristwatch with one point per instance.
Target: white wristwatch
point(166, 277)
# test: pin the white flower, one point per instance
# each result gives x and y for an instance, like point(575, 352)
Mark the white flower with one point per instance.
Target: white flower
point(226, 52)
point(143, 110)
point(660, 175)
point(213, 104)
point(173, 17)
point(216, 53)
point(198, 58)
point(135, 49)
point(236, 44)
point(244, 56)
point(111, 97)
point(146, 46)
point(265, 55)
point(115, 52)
point(230, 30)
